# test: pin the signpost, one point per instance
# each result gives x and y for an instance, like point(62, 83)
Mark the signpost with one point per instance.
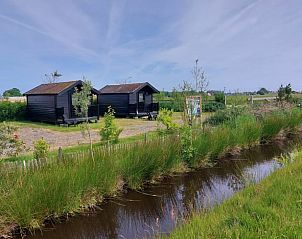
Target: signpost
point(193, 108)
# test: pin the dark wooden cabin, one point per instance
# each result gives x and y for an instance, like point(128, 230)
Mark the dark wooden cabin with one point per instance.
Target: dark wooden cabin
point(134, 100)
point(53, 103)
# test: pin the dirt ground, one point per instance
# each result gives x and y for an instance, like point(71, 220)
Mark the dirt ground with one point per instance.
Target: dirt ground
point(58, 139)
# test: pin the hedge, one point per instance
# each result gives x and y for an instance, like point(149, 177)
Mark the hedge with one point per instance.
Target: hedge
point(12, 111)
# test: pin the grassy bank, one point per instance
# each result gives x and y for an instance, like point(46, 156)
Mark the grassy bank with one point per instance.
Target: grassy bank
point(270, 209)
point(76, 182)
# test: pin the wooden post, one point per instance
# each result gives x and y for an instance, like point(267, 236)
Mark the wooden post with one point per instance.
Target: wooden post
point(145, 137)
point(60, 154)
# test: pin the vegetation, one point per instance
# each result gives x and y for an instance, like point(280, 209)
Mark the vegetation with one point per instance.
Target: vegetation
point(12, 111)
point(41, 149)
point(28, 197)
point(81, 101)
point(10, 144)
point(110, 132)
point(262, 91)
point(266, 210)
point(165, 117)
point(12, 93)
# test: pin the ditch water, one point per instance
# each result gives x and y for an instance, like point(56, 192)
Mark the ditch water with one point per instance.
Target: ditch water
point(159, 208)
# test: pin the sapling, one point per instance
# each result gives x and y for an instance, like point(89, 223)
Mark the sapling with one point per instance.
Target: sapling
point(81, 101)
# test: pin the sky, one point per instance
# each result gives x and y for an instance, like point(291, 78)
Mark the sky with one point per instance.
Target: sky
point(241, 44)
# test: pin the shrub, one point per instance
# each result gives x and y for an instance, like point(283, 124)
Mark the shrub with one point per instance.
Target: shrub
point(212, 106)
point(12, 111)
point(41, 149)
point(165, 117)
point(187, 147)
point(225, 115)
point(10, 144)
point(110, 131)
point(219, 97)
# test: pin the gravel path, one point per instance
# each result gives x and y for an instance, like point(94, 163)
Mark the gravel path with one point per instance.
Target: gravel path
point(58, 139)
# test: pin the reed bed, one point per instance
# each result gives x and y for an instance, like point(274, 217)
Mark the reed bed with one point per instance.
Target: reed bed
point(28, 197)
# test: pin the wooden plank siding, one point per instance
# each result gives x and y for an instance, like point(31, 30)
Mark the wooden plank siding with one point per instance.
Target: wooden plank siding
point(119, 102)
point(41, 108)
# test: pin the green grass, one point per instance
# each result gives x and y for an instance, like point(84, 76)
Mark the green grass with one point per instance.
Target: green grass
point(27, 198)
point(120, 122)
point(270, 209)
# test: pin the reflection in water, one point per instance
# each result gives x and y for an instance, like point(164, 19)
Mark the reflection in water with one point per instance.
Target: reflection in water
point(160, 207)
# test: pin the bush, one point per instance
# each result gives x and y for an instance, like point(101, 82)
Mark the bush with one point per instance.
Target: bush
point(225, 115)
point(110, 131)
point(165, 117)
point(41, 149)
point(10, 144)
point(212, 106)
point(12, 111)
point(219, 97)
point(174, 105)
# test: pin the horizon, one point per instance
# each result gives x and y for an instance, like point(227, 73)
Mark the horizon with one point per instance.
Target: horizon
point(242, 45)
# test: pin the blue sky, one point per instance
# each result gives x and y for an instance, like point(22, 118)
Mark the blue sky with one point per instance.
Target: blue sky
point(242, 44)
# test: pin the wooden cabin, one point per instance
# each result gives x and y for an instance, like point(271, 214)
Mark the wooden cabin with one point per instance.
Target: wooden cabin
point(133, 100)
point(53, 103)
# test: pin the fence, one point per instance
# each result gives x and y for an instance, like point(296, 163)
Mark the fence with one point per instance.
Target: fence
point(61, 157)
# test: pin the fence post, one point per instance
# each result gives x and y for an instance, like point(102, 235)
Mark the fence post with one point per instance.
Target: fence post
point(145, 137)
point(60, 154)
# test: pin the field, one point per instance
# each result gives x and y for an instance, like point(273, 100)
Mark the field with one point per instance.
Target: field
point(270, 209)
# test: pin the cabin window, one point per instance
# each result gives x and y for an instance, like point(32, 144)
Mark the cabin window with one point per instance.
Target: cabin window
point(141, 97)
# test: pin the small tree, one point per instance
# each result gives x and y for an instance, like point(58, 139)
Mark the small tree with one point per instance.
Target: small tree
point(52, 77)
point(10, 143)
point(201, 81)
point(41, 149)
point(288, 92)
point(110, 131)
point(284, 93)
point(81, 101)
point(165, 116)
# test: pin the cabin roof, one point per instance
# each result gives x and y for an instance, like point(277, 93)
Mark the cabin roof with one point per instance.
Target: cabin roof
point(125, 88)
point(55, 88)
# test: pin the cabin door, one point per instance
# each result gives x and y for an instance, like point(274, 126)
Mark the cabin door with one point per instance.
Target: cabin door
point(141, 102)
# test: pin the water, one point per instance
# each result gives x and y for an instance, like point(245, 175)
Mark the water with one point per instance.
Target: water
point(159, 208)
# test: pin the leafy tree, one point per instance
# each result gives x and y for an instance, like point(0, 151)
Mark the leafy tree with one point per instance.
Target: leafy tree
point(288, 92)
point(110, 131)
point(12, 92)
point(284, 93)
point(165, 117)
point(81, 101)
point(262, 91)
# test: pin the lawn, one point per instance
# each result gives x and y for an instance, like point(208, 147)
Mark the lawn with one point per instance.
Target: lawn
point(270, 209)
point(121, 122)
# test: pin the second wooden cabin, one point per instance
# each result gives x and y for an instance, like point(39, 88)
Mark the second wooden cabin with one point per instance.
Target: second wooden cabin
point(128, 100)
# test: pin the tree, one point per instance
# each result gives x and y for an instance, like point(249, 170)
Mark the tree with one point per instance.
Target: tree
point(12, 92)
point(81, 101)
point(288, 92)
point(110, 131)
point(262, 91)
point(201, 81)
point(284, 93)
point(52, 77)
